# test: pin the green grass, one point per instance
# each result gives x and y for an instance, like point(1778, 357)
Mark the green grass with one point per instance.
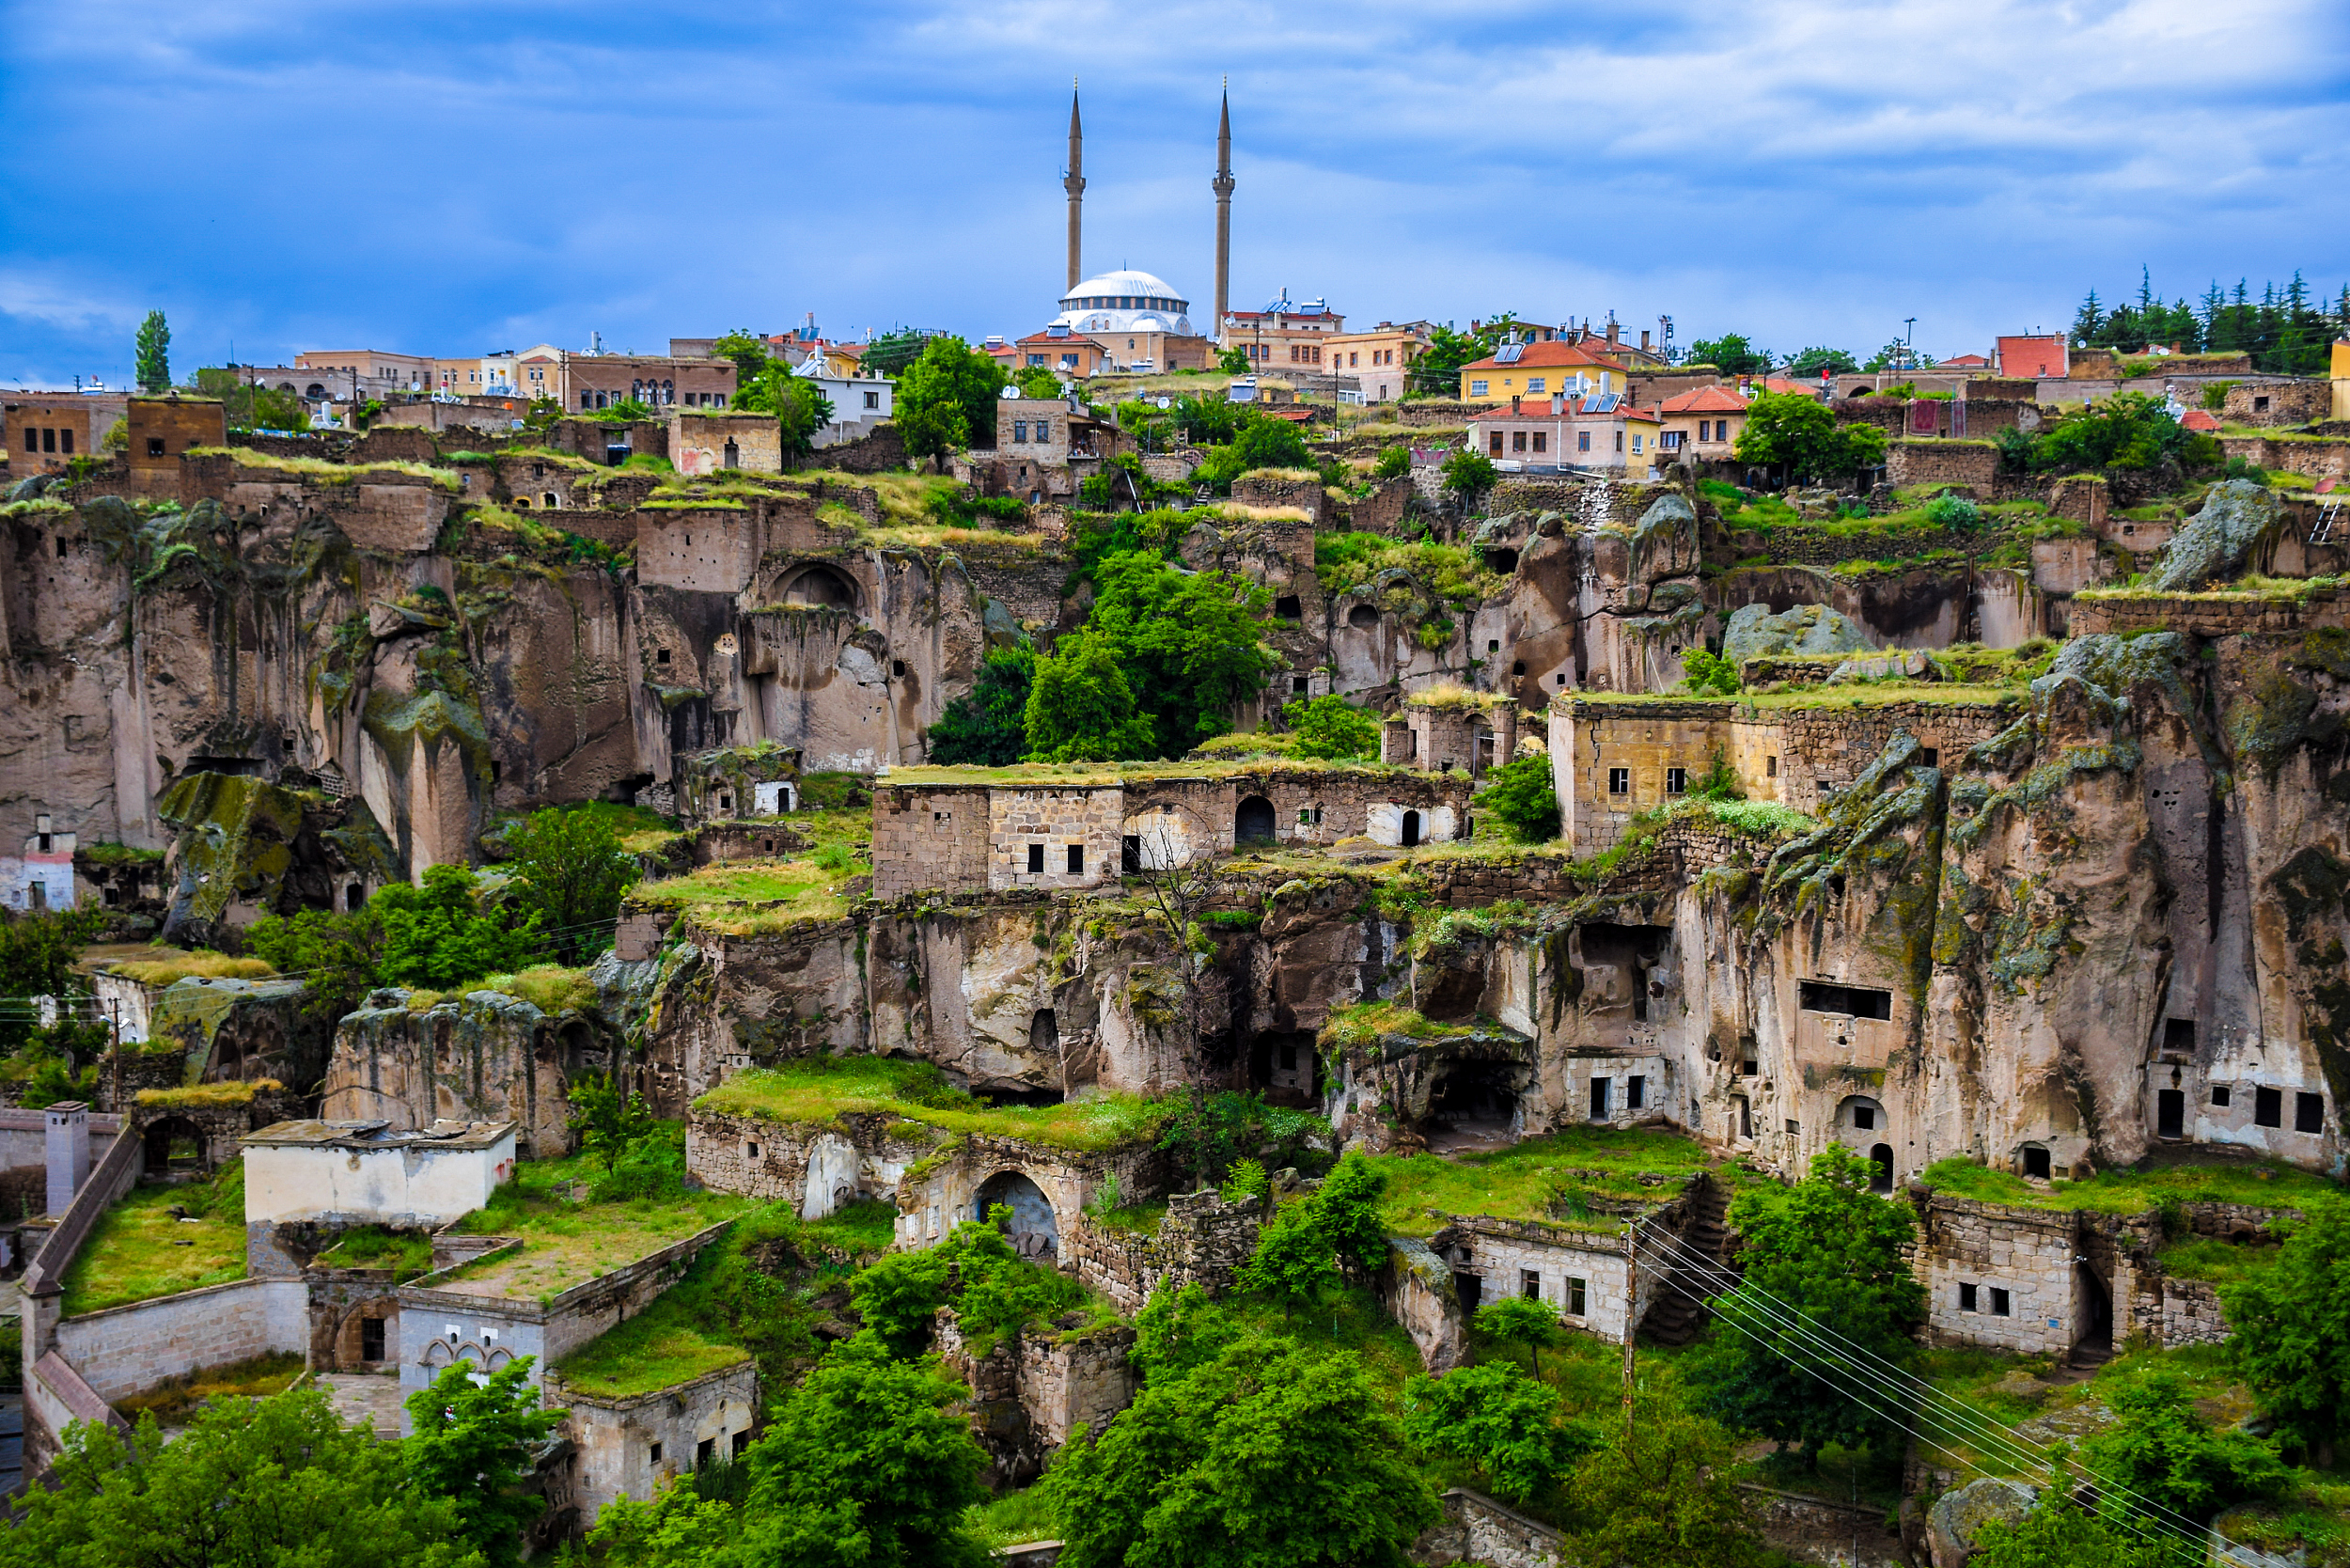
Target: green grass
point(2214, 1260)
point(569, 1239)
point(1363, 1022)
point(160, 972)
point(745, 898)
point(139, 1249)
point(2260, 1185)
point(1011, 1518)
point(1863, 694)
point(821, 1090)
point(1527, 1179)
point(548, 987)
point(407, 1253)
point(174, 1399)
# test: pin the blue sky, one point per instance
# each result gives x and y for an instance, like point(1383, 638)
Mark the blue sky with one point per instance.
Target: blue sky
point(459, 178)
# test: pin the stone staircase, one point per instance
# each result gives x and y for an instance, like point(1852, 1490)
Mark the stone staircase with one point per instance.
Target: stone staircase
point(1677, 1310)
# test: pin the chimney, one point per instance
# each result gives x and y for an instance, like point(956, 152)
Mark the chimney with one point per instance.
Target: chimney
point(1615, 331)
point(1513, 402)
point(1557, 402)
point(1644, 342)
point(68, 1153)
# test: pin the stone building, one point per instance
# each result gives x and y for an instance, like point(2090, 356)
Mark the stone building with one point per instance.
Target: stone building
point(631, 1446)
point(365, 1173)
point(41, 433)
point(1440, 732)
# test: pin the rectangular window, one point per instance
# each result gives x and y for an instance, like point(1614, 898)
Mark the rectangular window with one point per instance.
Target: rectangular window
point(1966, 1298)
point(1036, 859)
point(370, 1331)
point(65, 442)
point(2309, 1113)
point(1517, 441)
point(1583, 441)
point(704, 1453)
point(742, 1442)
point(1829, 996)
point(1541, 441)
point(1669, 441)
point(1537, 384)
point(872, 400)
point(49, 440)
point(1998, 1302)
point(653, 1452)
point(1635, 443)
point(1634, 1092)
point(1770, 768)
point(1076, 860)
point(154, 445)
point(1020, 429)
point(32, 438)
point(2268, 1108)
point(1794, 1128)
point(1706, 430)
point(1599, 1099)
point(1619, 781)
point(1530, 1284)
point(1574, 1297)
point(2219, 1095)
point(1477, 389)
point(1676, 781)
point(1620, 441)
point(1745, 1117)
point(1864, 1117)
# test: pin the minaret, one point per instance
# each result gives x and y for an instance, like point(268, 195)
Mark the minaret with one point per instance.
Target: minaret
point(1223, 186)
point(1074, 183)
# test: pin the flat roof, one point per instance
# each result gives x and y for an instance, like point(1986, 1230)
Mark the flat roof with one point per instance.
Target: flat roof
point(379, 1134)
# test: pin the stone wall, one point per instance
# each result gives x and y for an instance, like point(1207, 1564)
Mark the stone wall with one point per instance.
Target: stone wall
point(818, 1168)
point(2191, 1314)
point(1266, 490)
point(1973, 465)
point(2035, 1260)
point(633, 1447)
point(1503, 1253)
point(1035, 1388)
point(1814, 1529)
point(2209, 615)
point(929, 838)
point(1383, 510)
point(1201, 1241)
point(123, 1350)
point(1477, 1530)
point(2276, 402)
point(479, 1058)
point(1082, 820)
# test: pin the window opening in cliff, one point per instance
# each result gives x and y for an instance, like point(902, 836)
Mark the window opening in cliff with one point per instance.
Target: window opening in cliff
point(1362, 618)
point(1033, 1098)
point(1928, 756)
point(1473, 1106)
point(1856, 1000)
point(2219, 1095)
point(355, 897)
point(113, 895)
point(653, 1451)
point(1044, 1033)
point(1130, 854)
point(1517, 667)
point(2268, 1106)
point(742, 1442)
point(1034, 1229)
point(2036, 1161)
point(822, 586)
point(1631, 951)
point(2178, 1034)
point(1287, 607)
point(1281, 1064)
point(1253, 823)
point(1300, 685)
point(2169, 1113)
point(1881, 1169)
point(1411, 829)
point(2309, 1113)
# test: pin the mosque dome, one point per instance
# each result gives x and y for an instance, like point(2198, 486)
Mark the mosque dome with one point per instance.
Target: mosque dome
point(1125, 301)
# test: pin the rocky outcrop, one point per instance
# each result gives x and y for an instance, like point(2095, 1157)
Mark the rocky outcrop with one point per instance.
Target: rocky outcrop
point(1754, 631)
point(2236, 519)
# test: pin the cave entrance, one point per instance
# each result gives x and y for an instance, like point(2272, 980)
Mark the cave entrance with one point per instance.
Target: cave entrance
point(1023, 1096)
point(174, 1141)
point(1881, 1169)
point(1281, 1064)
point(824, 586)
point(1631, 952)
point(1253, 823)
point(1410, 835)
point(1044, 1033)
point(1035, 1232)
point(2093, 1311)
point(1473, 1107)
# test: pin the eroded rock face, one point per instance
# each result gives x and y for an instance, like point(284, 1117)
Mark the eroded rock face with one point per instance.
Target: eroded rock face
point(1958, 1516)
point(1754, 630)
point(2238, 517)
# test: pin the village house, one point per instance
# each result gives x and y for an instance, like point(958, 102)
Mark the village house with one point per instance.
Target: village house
point(44, 431)
point(1284, 333)
point(1380, 360)
point(1703, 423)
point(1563, 432)
point(1541, 370)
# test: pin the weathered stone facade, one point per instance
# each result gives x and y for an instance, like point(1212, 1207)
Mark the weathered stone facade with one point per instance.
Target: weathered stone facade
point(633, 1446)
point(1036, 1387)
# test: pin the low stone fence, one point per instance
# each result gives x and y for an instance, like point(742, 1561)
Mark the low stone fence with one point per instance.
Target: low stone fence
point(1814, 1529)
point(1478, 1530)
point(2191, 1314)
point(123, 1350)
point(2209, 615)
point(1202, 1240)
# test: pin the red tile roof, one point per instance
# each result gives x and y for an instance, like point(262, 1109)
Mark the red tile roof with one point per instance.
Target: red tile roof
point(1705, 400)
point(1969, 361)
point(2201, 419)
point(1543, 356)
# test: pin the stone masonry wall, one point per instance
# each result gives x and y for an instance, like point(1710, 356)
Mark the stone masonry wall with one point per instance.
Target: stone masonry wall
point(930, 838)
point(1201, 1241)
point(1972, 464)
point(760, 1157)
point(2210, 615)
point(1088, 820)
point(617, 1438)
point(2191, 1314)
point(1477, 1530)
point(123, 1350)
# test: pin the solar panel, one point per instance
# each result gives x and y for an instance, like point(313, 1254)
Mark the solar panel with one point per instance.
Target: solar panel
point(1509, 354)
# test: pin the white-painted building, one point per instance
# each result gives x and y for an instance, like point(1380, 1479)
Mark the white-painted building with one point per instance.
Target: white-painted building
point(365, 1173)
point(41, 877)
point(858, 403)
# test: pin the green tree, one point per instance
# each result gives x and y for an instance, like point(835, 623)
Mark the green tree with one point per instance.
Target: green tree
point(1521, 796)
point(749, 351)
point(1232, 362)
point(799, 405)
point(1187, 643)
point(1709, 674)
point(338, 955)
point(1468, 475)
point(1824, 1270)
point(472, 1442)
point(1347, 1208)
point(2060, 1533)
point(1081, 708)
point(1796, 430)
point(1658, 1494)
point(38, 951)
point(606, 1116)
point(2128, 430)
point(870, 1464)
point(2288, 1324)
point(249, 1483)
point(1809, 364)
point(570, 873)
point(1516, 1320)
point(1501, 1420)
point(892, 351)
point(1036, 381)
point(946, 396)
point(152, 353)
point(1331, 727)
point(1267, 1455)
point(677, 1526)
point(987, 725)
point(1732, 354)
point(2160, 1449)
point(1394, 463)
point(1294, 1261)
point(438, 935)
point(1257, 440)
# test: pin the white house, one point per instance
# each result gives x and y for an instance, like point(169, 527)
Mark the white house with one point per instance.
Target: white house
point(858, 403)
point(362, 1173)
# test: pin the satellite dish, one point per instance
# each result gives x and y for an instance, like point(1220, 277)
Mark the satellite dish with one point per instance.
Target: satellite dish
point(1009, 392)
point(1167, 402)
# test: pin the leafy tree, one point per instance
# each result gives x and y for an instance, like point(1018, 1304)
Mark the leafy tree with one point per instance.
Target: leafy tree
point(1796, 430)
point(986, 725)
point(569, 872)
point(1347, 1208)
point(338, 955)
point(152, 353)
point(471, 1443)
point(1516, 1320)
point(1081, 709)
point(677, 1526)
point(634, 411)
point(892, 351)
point(1437, 371)
point(1501, 1420)
point(870, 1464)
point(2128, 430)
point(2288, 1322)
point(799, 405)
point(1732, 354)
point(1709, 674)
point(250, 1484)
point(438, 936)
point(1187, 643)
point(1809, 364)
point(1658, 1493)
point(606, 1116)
point(2160, 1449)
point(1178, 1332)
point(1468, 475)
point(1036, 381)
point(1522, 797)
point(2060, 1533)
point(1265, 1455)
point(749, 351)
point(1821, 1257)
point(38, 950)
point(1294, 1261)
point(1331, 727)
point(1394, 463)
point(974, 1269)
point(946, 396)
point(1232, 362)
point(1257, 440)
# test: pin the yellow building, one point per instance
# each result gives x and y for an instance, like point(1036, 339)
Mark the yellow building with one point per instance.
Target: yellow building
point(1538, 370)
point(2340, 373)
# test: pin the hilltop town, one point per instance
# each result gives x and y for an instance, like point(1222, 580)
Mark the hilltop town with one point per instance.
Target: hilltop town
point(1035, 898)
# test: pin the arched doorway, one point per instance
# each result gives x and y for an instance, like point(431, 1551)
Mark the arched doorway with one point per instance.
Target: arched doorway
point(820, 585)
point(1881, 1169)
point(369, 1335)
point(1034, 1229)
point(1253, 824)
point(173, 1137)
point(1411, 829)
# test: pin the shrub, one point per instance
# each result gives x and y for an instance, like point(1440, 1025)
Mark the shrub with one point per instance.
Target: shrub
point(1332, 729)
point(1953, 511)
point(1521, 796)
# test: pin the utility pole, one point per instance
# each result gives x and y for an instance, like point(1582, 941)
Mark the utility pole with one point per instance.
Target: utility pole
point(1631, 1306)
point(114, 1025)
